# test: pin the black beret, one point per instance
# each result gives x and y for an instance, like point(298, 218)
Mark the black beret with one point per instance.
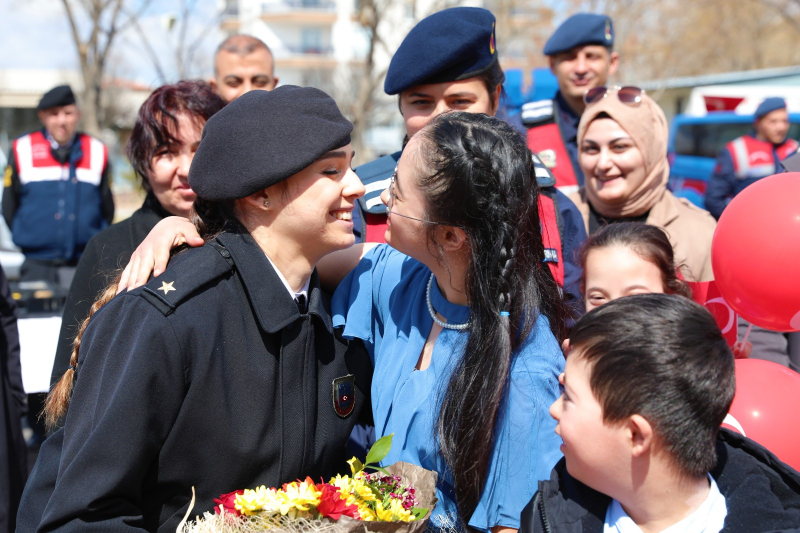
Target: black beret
point(578, 30)
point(451, 45)
point(264, 137)
point(56, 97)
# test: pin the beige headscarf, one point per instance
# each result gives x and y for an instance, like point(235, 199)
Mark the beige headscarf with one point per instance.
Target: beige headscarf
point(647, 126)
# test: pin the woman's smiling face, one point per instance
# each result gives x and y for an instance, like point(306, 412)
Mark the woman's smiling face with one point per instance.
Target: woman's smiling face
point(406, 230)
point(315, 205)
point(611, 161)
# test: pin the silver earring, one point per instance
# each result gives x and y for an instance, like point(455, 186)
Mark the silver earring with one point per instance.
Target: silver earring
point(266, 203)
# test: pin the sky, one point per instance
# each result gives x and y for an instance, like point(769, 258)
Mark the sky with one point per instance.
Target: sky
point(36, 34)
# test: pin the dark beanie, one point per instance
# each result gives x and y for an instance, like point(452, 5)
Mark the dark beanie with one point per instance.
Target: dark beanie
point(56, 97)
point(264, 137)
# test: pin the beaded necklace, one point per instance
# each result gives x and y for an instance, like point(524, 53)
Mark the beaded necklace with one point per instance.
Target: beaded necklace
point(446, 325)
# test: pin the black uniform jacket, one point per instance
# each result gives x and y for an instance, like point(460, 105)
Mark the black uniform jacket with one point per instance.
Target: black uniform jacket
point(762, 494)
point(206, 377)
point(13, 452)
point(104, 256)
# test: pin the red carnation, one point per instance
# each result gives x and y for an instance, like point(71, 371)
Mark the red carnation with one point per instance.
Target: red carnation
point(227, 502)
point(331, 505)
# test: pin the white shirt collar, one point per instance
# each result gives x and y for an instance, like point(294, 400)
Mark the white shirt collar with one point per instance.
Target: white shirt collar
point(708, 518)
point(294, 295)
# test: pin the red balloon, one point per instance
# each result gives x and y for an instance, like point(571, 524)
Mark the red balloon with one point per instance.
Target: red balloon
point(766, 408)
point(755, 253)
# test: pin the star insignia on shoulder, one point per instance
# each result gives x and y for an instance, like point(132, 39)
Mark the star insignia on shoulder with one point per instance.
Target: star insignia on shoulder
point(166, 287)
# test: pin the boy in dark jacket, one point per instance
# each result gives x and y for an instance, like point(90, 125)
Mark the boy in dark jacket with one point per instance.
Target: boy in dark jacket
point(648, 382)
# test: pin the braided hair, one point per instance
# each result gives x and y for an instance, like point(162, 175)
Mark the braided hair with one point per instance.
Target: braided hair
point(480, 178)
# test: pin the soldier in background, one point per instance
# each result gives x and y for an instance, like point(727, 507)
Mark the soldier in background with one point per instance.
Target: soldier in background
point(582, 57)
point(748, 158)
point(56, 191)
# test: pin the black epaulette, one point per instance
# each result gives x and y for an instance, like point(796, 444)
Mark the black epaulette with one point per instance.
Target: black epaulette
point(538, 113)
point(187, 272)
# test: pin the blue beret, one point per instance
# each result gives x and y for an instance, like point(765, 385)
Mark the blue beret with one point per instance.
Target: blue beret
point(264, 137)
point(451, 45)
point(578, 30)
point(769, 105)
point(56, 97)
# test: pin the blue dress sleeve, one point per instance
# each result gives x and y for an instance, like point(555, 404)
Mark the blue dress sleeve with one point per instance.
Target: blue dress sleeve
point(358, 305)
point(526, 446)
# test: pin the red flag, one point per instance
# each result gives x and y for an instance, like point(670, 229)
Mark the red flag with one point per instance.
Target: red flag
point(706, 294)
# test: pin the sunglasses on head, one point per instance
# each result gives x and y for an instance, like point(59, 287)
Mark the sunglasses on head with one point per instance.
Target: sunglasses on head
point(627, 95)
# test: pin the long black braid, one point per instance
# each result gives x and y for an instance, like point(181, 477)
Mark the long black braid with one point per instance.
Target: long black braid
point(481, 179)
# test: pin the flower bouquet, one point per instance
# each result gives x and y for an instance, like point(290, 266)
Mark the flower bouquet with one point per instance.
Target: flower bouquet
point(395, 499)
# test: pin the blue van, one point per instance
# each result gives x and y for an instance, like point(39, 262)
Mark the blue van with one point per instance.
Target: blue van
point(695, 141)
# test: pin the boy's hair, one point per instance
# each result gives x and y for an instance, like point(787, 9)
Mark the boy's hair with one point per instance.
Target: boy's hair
point(648, 242)
point(662, 357)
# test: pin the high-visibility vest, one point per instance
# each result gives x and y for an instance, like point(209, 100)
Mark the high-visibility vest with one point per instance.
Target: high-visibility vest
point(754, 158)
point(60, 205)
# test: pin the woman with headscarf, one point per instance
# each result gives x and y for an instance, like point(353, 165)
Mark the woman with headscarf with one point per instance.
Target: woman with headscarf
point(622, 142)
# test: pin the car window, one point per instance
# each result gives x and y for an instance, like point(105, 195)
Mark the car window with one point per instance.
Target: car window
point(706, 140)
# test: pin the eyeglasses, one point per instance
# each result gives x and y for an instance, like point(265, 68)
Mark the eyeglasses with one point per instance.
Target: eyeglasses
point(627, 95)
point(389, 205)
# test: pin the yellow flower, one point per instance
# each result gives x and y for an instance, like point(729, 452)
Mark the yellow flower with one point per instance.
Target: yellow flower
point(343, 482)
point(366, 514)
point(256, 501)
point(395, 512)
point(297, 498)
point(355, 465)
point(364, 493)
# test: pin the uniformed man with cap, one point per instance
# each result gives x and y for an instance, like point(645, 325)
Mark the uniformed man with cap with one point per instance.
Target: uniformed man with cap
point(748, 158)
point(224, 372)
point(56, 190)
point(581, 56)
point(449, 62)
point(742, 162)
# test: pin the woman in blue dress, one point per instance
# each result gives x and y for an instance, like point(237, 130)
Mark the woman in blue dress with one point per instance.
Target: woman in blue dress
point(461, 318)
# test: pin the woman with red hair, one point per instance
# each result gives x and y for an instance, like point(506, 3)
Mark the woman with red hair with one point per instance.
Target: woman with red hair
point(160, 149)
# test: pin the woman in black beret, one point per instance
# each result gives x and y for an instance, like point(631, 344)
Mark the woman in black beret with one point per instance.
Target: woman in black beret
point(225, 371)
